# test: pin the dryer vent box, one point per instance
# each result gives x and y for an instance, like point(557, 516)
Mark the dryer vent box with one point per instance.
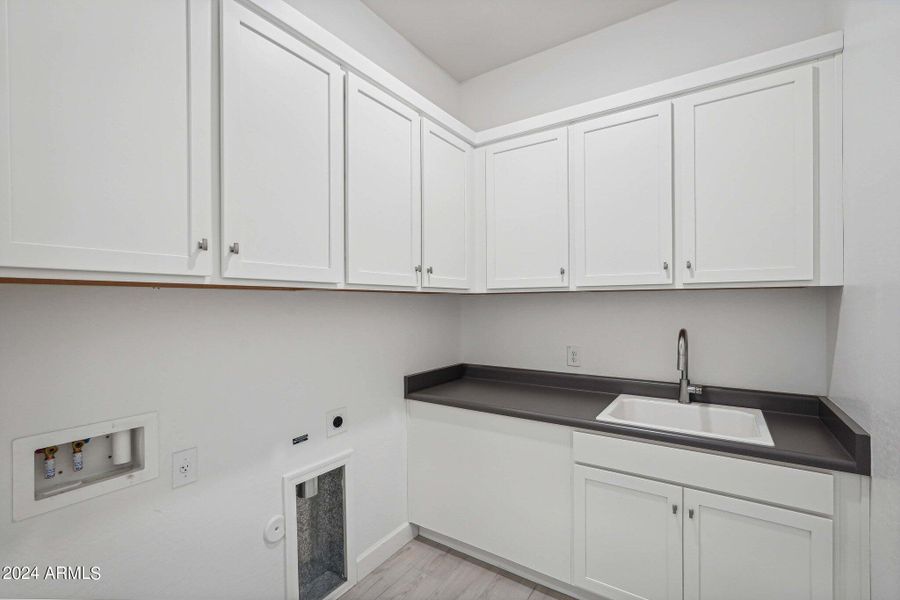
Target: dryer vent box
point(56, 469)
point(321, 531)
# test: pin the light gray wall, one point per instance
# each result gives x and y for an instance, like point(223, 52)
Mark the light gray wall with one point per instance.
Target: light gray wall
point(864, 318)
point(762, 339)
point(674, 39)
point(235, 373)
point(355, 24)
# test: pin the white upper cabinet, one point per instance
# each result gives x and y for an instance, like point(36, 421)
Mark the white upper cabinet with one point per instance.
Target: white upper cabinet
point(745, 551)
point(446, 197)
point(627, 542)
point(105, 161)
point(526, 198)
point(745, 166)
point(334, 172)
point(620, 185)
point(282, 154)
point(383, 188)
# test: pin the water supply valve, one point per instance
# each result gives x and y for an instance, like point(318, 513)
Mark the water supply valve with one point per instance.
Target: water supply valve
point(50, 461)
point(77, 455)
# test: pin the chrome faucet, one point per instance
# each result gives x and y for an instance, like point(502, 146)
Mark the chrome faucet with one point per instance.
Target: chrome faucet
point(685, 389)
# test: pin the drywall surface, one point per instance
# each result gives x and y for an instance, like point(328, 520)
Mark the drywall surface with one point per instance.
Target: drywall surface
point(864, 318)
point(356, 25)
point(672, 40)
point(236, 374)
point(761, 339)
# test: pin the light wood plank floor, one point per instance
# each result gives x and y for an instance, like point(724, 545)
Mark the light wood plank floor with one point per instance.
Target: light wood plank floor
point(425, 570)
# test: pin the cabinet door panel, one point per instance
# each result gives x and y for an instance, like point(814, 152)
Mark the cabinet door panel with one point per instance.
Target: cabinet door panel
point(384, 193)
point(620, 170)
point(627, 536)
point(282, 117)
point(446, 169)
point(105, 161)
point(502, 485)
point(745, 551)
point(745, 153)
point(527, 212)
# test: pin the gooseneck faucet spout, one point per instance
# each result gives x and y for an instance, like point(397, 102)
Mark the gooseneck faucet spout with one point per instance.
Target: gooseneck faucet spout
point(685, 389)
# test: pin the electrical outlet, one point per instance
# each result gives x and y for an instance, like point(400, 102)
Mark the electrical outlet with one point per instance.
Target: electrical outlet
point(573, 356)
point(184, 467)
point(336, 421)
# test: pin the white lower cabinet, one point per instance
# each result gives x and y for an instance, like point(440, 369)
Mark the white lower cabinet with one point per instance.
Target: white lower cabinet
point(630, 520)
point(635, 537)
point(627, 536)
point(499, 484)
point(745, 550)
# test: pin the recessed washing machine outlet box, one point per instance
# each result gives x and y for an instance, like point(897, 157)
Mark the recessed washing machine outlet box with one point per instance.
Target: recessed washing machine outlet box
point(336, 421)
point(59, 468)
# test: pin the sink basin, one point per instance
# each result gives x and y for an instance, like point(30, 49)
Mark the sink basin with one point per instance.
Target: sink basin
point(734, 423)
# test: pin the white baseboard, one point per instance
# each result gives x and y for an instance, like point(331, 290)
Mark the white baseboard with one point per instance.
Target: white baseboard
point(509, 566)
point(384, 548)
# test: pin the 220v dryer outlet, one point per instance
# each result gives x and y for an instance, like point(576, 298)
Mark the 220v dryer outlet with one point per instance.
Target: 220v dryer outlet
point(336, 421)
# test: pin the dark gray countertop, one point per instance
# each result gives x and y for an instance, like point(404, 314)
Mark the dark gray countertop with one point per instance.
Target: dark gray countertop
point(807, 430)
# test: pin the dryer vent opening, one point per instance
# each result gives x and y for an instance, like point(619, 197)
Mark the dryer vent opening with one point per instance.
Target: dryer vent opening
point(321, 531)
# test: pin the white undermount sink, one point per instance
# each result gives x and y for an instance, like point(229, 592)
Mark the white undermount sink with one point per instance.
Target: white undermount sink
point(734, 423)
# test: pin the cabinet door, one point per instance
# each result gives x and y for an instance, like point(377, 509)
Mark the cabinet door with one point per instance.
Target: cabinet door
point(745, 551)
point(527, 212)
point(446, 169)
point(620, 181)
point(745, 157)
point(383, 188)
point(105, 161)
point(282, 154)
point(499, 484)
point(627, 536)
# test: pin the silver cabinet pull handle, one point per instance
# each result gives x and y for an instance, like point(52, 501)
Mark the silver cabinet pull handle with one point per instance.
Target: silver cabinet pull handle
point(418, 269)
point(674, 509)
point(203, 244)
point(689, 265)
point(665, 265)
point(562, 270)
point(429, 270)
point(235, 248)
point(690, 513)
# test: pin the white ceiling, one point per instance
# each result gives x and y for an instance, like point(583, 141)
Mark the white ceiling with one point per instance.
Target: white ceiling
point(470, 37)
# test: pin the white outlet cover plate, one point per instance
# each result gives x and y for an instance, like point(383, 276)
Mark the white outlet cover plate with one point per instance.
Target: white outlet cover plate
point(184, 467)
point(330, 429)
point(573, 356)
